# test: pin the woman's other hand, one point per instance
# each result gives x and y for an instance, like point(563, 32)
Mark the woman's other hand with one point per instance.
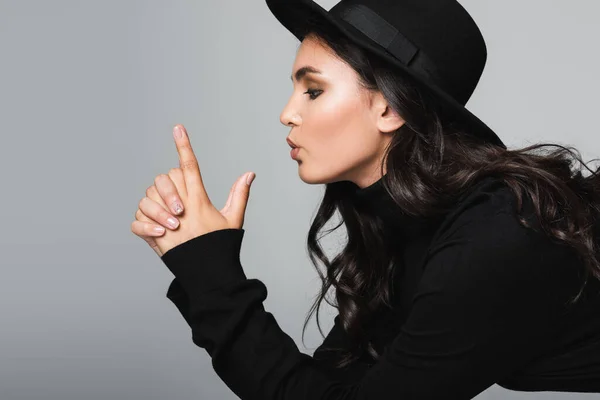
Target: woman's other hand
point(153, 216)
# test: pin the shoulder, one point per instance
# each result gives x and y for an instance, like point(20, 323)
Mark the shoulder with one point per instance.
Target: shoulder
point(482, 244)
point(488, 211)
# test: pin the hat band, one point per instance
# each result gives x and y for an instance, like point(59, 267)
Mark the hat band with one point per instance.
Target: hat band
point(368, 22)
point(379, 30)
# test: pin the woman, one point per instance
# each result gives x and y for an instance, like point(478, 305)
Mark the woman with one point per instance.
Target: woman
point(466, 265)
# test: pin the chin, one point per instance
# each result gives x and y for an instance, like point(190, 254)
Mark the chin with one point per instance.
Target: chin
point(313, 177)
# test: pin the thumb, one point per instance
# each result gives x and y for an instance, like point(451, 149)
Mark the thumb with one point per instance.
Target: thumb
point(240, 197)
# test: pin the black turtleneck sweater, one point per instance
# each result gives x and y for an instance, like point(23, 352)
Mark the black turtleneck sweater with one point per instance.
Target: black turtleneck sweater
point(479, 300)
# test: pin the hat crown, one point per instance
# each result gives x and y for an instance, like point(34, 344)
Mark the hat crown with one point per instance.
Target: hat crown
point(438, 39)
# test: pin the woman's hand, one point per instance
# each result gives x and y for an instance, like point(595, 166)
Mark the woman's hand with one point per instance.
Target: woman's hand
point(199, 216)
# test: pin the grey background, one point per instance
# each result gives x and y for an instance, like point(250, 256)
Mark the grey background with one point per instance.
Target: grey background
point(89, 93)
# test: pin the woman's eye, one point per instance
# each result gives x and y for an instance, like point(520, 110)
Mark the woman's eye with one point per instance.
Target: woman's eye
point(313, 94)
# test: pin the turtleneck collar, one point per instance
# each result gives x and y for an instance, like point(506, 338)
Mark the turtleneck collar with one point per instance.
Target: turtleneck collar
point(375, 201)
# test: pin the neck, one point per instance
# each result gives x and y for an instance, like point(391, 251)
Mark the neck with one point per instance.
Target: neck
point(376, 202)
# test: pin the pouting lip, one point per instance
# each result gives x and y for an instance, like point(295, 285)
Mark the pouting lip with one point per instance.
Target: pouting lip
point(292, 144)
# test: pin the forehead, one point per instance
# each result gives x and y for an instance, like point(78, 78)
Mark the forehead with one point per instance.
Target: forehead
point(312, 47)
point(315, 54)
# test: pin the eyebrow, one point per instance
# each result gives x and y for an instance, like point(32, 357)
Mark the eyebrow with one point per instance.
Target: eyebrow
point(301, 73)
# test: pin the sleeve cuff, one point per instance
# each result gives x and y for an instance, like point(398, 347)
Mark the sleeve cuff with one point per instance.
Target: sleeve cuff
point(207, 262)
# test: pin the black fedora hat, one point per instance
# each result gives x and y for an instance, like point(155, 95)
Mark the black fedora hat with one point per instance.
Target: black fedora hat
point(437, 42)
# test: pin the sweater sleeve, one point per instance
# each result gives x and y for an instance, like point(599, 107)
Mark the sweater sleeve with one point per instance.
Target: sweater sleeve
point(487, 304)
point(323, 357)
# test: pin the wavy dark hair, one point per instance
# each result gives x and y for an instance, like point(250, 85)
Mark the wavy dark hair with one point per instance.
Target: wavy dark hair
point(431, 160)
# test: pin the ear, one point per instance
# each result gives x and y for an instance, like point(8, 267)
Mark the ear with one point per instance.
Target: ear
point(386, 118)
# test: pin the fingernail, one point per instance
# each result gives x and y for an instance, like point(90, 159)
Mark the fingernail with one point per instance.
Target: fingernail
point(159, 229)
point(177, 132)
point(172, 222)
point(250, 178)
point(177, 208)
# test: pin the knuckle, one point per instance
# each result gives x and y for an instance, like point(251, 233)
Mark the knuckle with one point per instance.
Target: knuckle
point(187, 146)
point(159, 177)
point(141, 216)
point(163, 216)
point(174, 171)
point(138, 229)
point(144, 205)
point(189, 164)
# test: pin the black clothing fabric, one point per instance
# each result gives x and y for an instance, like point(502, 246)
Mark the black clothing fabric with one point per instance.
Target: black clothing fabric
point(480, 300)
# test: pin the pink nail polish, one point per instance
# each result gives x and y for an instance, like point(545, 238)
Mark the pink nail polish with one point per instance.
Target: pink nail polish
point(177, 132)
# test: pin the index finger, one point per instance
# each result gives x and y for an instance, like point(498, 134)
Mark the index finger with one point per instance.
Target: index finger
point(188, 163)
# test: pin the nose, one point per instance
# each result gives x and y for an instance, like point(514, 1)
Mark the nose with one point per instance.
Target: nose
point(289, 121)
point(288, 116)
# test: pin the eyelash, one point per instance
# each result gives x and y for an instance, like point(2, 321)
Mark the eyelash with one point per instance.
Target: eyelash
point(312, 92)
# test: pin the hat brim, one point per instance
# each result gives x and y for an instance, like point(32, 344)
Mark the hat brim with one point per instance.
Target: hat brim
point(294, 14)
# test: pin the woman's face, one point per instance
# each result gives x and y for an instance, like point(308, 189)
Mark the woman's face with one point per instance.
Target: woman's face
point(341, 129)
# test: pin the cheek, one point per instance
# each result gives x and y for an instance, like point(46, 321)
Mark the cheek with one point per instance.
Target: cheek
point(335, 121)
point(341, 149)
point(351, 135)
point(336, 132)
